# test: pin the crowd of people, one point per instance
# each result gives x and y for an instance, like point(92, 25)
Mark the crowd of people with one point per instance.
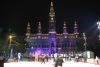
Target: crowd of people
point(58, 59)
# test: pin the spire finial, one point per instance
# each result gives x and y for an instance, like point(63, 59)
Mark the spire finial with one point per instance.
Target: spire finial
point(51, 3)
point(39, 28)
point(75, 22)
point(52, 13)
point(75, 29)
point(64, 23)
point(39, 23)
point(28, 24)
point(75, 25)
point(28, 30)
point(64, 28)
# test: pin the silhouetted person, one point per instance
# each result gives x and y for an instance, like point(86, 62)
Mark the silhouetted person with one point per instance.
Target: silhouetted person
point(2, 60)
point(42, 60)
point(96, 59)
point(59, 61)
point(46, 57)
point(69, 58)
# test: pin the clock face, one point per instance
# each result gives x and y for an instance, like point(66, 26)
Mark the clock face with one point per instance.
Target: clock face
point(51, 18)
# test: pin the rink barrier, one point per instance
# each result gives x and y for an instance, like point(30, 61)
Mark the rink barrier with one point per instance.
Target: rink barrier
point(11, 60)
point(93, 61)
point(81, 60)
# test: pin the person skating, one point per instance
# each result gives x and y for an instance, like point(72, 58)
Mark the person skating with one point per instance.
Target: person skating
point(59, 62)
point(96, 59)
point(56, 62)
point(69, 58)
point(42, 60)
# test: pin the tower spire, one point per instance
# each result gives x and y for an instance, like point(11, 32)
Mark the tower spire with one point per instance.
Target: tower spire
point(75, 29)
point(39, 28)
point(52, 22)
point(52, 29)
point(28, 30)
point(64, 28)
point(52, 13)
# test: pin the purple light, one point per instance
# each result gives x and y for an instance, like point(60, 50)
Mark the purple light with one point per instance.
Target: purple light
point(49, 50)
point(52, 32)
point(39, 50)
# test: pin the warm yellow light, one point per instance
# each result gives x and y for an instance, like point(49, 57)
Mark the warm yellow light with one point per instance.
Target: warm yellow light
point(10, 37)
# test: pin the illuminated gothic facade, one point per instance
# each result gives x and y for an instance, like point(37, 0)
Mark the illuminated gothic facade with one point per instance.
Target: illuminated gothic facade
point(52, 42)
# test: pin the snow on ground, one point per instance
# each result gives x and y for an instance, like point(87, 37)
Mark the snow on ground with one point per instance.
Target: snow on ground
point(48, 64)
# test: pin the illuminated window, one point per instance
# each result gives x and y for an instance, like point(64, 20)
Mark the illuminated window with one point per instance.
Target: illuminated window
point(35, 37)
point(39, 36)
point(42, 37)
point(65, 36)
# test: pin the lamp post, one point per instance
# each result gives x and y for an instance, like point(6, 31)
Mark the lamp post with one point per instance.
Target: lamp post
point(10, 45)
point(84, 40)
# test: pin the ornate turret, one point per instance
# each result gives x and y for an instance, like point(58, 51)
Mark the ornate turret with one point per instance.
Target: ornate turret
point(75, 30)
point(64, 28)
point(28, 30)
point(39, 28)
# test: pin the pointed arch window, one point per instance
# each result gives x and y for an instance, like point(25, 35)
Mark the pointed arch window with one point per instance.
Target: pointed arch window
point(52, 44)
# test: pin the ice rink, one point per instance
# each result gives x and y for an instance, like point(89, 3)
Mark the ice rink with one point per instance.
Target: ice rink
point(48, 64)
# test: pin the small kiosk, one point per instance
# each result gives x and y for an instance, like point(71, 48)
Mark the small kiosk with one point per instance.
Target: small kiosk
point(88, 54)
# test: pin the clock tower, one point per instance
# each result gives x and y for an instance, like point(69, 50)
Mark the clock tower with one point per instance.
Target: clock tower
point(52, 30)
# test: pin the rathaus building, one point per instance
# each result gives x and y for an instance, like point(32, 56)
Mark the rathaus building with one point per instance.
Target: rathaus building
point(52, 42)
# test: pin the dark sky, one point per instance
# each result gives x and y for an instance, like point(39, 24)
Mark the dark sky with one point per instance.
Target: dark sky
point(16, 15)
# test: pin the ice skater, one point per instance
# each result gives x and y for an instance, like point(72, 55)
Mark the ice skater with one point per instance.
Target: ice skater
point(43, 59)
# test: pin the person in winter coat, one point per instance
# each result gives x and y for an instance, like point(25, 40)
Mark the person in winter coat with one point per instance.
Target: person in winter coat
point(43, 60)
point(2, 60)
point(59, 62)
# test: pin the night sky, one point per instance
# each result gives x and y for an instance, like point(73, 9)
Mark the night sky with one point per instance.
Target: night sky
point(15, 15)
